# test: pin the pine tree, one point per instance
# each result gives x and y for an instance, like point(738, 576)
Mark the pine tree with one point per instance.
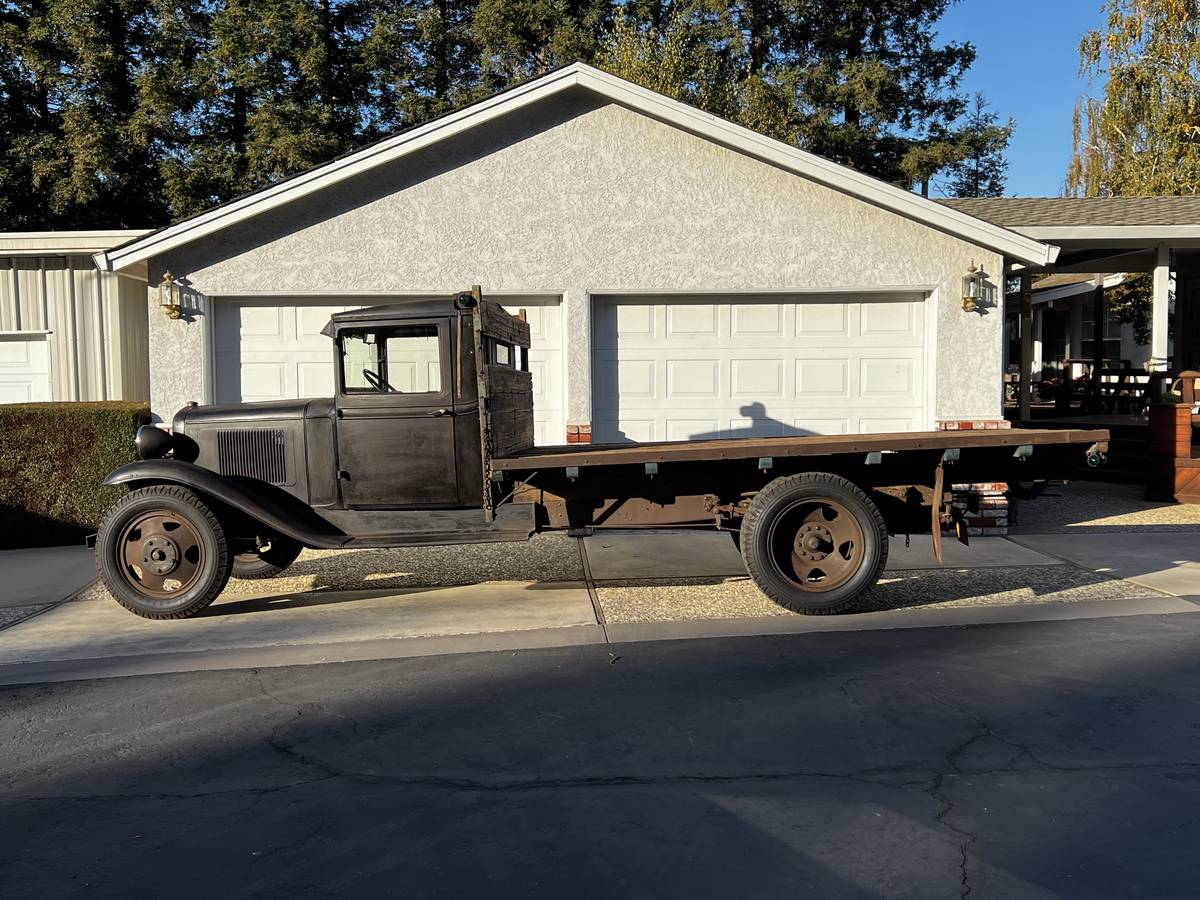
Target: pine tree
point(80, 153)
point(521, 39)
point(263, 89)
point(876, 88)
point(421, 59)
point(862, 83)
point(983, 168)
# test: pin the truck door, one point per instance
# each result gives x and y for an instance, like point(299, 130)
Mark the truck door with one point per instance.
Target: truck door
point(395, 427)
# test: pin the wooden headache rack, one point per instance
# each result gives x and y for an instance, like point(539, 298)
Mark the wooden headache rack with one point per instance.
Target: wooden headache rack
point(504, 384)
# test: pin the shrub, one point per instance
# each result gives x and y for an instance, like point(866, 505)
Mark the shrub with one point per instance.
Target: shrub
point(53, 457)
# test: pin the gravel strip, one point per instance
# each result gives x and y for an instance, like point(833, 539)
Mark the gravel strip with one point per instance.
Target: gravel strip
point(547, 557)
point(657, 601)
point(1094, 506)
point(13, 614)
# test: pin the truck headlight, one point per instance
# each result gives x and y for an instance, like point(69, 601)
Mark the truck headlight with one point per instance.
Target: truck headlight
point(152, 442)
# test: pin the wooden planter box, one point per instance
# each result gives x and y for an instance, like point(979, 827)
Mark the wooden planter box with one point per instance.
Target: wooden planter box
point(1174, 474)
point(1171, 430)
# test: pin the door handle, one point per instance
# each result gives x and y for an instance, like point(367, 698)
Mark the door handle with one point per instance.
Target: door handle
point(438, 413)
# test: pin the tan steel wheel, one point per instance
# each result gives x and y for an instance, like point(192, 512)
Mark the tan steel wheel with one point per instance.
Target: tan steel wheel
point(818, 544)
point(162, 552)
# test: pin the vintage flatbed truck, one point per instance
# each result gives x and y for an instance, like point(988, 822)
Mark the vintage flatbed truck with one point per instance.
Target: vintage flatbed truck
point(429, 440)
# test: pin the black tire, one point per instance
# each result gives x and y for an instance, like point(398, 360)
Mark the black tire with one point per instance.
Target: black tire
point(175, 524)
point(814, 542)
point(268, 561)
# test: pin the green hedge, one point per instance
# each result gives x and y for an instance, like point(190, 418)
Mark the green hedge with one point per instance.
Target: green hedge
point(53, 457)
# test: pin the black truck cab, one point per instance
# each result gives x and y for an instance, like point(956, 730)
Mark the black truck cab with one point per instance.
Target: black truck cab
point(401, 431)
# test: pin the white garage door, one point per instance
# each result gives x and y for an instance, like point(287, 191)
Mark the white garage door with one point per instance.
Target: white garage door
point(678, 369)
point(274, 349)
point(546, 366)
point(24, 368)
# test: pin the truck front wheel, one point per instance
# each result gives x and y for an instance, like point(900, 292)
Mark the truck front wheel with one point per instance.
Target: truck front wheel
point(162, 553)
point(813, 542)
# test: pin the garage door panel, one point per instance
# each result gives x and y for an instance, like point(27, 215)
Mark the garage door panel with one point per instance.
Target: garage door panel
point(892, 319)
point(315, 379)
point(883, 424)
point(308, 322)
point(809, 425)
point(691, 321)
point(756, 378)
point(893, 377)
point(756, 321)
point(259, 323)
point(631, 379)
point(672, 369)
point(683, 429)
point(822, 378)
point(263, 381)
point(823, 319)
point(634, 322)
point(690, 379)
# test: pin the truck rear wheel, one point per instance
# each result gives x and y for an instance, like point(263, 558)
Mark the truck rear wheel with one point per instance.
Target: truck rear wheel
point(267, 559)
point(162, 553)
point(813, 542)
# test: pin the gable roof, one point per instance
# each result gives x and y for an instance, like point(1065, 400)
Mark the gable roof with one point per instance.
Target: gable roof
point(617, 90)
point(1033, 212)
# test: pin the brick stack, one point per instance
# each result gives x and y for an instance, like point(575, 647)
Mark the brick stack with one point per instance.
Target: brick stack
point(984, 506)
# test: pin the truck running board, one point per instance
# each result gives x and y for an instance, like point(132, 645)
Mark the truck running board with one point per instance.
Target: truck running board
point(424, 528)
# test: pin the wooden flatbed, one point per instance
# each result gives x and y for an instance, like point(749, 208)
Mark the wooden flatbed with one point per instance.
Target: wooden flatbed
point(543, 458)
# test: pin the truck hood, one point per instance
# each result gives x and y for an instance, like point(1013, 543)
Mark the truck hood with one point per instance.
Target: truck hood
point(261, 411)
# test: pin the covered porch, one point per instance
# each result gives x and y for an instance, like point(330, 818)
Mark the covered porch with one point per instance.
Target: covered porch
point(1068, 360)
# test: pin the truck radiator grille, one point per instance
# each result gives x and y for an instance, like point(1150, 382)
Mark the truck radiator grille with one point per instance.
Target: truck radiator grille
point(255, 453)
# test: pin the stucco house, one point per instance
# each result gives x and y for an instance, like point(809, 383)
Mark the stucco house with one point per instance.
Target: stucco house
point(684, 276)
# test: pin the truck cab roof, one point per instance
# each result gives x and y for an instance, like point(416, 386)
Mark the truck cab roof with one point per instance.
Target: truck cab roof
point(406, 308)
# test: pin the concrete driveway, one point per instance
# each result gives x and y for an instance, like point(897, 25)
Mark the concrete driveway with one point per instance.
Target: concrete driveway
point(553, 591)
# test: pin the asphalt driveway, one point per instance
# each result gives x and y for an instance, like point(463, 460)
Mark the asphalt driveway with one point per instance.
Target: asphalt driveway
point(1031, 760)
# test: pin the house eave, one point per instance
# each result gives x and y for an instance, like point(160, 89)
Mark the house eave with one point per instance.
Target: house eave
point(60, 243)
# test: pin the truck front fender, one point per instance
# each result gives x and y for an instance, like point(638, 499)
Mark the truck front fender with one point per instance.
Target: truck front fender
point(264, 503)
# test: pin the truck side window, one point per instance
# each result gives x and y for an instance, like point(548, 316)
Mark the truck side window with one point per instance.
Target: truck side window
point(414, 362)
point(403, 359)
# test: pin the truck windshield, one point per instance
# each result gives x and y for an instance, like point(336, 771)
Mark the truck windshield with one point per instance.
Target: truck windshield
point(403, 359)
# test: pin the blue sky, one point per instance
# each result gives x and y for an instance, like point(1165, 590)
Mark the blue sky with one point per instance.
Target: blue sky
point(1028, 67)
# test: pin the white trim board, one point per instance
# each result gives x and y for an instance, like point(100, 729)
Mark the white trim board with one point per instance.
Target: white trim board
point(688, 118)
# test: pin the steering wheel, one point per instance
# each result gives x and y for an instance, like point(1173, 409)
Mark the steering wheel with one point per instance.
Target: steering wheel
point(378, 383)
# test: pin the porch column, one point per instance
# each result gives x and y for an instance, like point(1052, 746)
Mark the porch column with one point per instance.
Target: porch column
point(1093, 404)
point(1159, 334)
point(1039, 339)
point(1024, 385)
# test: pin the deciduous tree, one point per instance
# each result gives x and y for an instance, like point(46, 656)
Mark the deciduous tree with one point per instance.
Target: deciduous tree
point(1142, 135)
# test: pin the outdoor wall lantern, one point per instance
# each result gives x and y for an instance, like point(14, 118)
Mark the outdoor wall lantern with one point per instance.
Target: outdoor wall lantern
point(975, 289)
point(170, 296)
